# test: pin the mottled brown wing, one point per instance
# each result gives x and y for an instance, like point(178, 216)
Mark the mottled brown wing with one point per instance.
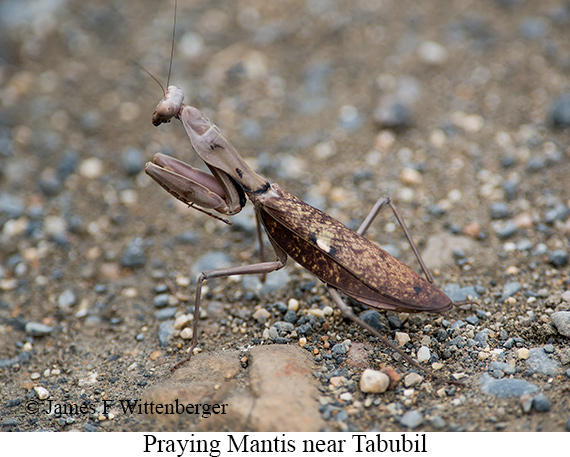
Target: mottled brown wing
point(344, 259)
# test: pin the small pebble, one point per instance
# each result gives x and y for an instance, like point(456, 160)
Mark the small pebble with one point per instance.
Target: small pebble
point(160, 300)
point(505, 229)
point(503, 367)
point(473, 320)
point(402, 338)
point(510, 289)
point(523, 354)
point(541, 403)
point(412, 379)
point(339, 348)
point(559, 113)
point(41, 392)
point(293, 304)
point(423, 354)
point(165, 313)
point(38, 329)
point(66, 299)
point(410, 176)
point(91, 168)
point(499, 210)
point(561, 320)
point(394, 321)
point(261, 315)
point(181, 321)
point(132, 160)
point(165, 332)
point(526, 402)
point(392, 113)
point(394, 376)
point(283, 327)
point(291, 316)
point(437, 422)
point(373, 381)
point(372, 318)
point(412, 419)
point(328, 311)
point(186, 333)
point(316, 312)
point(432, 53)
point(133, 254)
point(91, 378)
point(559, 258)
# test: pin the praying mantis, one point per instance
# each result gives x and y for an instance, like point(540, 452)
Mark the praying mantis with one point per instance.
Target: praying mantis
point(343, 259)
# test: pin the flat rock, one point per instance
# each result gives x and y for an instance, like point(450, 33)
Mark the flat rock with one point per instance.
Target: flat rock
point(275, 392)
point(505, 388)
point(540, 362)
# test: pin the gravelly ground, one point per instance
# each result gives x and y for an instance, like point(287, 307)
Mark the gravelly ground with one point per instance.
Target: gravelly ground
point(474, 158)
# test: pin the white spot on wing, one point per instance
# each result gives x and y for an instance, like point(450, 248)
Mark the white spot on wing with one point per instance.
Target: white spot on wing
point(323, 245)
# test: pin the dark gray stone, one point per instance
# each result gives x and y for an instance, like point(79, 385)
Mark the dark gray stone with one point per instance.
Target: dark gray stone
point(559, 113)
point(165, 332)
point(559, 258)
point(133, 254)
point(561, 320)
point(505, 388)
point(541, 403)
point(540, 362)
point(372, 318)
point(509, 289)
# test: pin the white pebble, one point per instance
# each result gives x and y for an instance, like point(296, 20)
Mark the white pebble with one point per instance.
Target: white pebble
point(191, 45)
point(423, 354)
point(91, 378)
point(316, 312)
point(293, 304)
point(327, 311)
point(182, 281)
point(41, 392)
point(432, 53)
point(374, 381)
point(186, 333)
point(181, 321)
point(91, 168)
point(410, 176)
point(523, 354)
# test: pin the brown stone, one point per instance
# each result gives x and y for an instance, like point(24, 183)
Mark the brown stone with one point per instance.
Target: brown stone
point(276, 392)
